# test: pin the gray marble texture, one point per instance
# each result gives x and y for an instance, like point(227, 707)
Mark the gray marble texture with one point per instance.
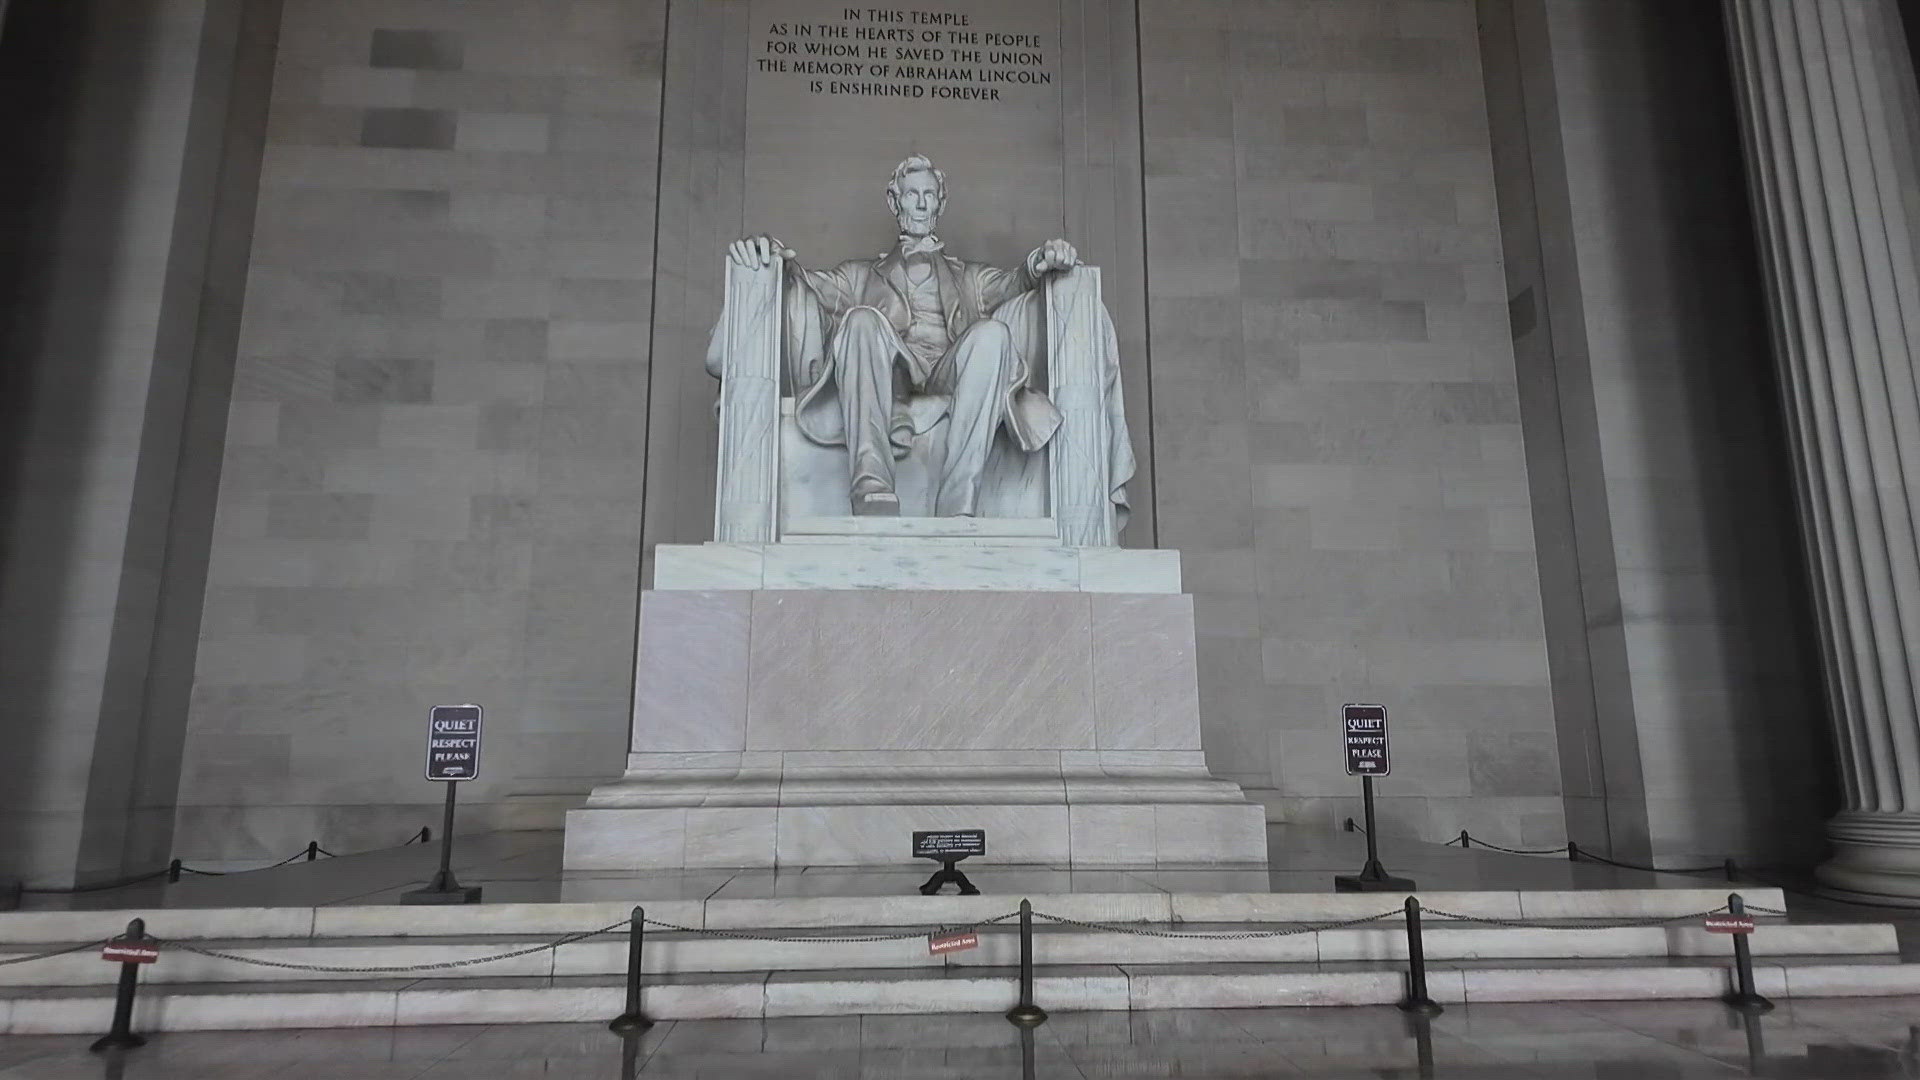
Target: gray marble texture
point(814, 726)
point(432, 480)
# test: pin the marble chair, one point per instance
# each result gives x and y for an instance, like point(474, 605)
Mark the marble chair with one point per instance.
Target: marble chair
point(775, 484)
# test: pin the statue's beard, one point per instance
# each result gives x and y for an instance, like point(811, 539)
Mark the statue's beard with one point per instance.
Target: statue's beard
point(917, 228)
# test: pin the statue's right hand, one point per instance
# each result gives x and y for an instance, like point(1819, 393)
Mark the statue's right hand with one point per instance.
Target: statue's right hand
point(755, 252)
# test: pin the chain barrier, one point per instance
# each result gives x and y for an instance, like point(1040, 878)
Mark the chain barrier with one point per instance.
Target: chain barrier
point(1464, 838)
point(742, 935)
point(102, 887)
point(82, 947)
point(1229, 935)
point(1715, 869)
point(1466, 842)
point(1584, 923)
point(441, 965)
point(313, 848)
point(1062, 920)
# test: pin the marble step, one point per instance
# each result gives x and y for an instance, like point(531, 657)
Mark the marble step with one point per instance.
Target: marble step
point(1054, 946)
point(761, 994)
point(816, 912)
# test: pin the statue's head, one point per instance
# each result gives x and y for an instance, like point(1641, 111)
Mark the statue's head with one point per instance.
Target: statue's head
point(916, 194)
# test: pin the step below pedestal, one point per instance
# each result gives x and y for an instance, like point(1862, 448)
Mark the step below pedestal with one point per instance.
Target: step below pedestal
point(1223, 834)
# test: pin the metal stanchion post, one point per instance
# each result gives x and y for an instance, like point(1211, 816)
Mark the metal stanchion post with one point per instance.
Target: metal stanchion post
point(313, 850)
point(121, 1037)
point(1573, 851)
point(173, 871)
point(1465, 840)
point(1422, 1044)
point(1417, 1000)
point(1744, 997)
point(1026, 1013)
point(1756, 1045)
point(1733, 870)
point(633, 1019)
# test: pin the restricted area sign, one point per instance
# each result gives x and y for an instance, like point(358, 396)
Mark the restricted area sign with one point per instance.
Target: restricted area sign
point(1365, 730)
point(126, 952)
point(1729, 924)
point(950, 844)
point(938, 944)
point(453, 742)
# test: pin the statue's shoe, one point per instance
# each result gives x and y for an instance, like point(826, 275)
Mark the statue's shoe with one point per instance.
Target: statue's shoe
point(872, 496)
point(876, 504)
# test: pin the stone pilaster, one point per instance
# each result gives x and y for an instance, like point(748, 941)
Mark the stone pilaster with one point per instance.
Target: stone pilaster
point(1829, 110)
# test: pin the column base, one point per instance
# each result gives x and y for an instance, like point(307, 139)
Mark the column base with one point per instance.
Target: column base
point(1876, 856)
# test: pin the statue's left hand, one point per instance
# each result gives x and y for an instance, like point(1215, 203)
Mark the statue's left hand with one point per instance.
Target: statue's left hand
point(1056, 255)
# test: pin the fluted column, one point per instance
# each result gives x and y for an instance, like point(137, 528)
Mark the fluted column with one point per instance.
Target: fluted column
point(1828, 108)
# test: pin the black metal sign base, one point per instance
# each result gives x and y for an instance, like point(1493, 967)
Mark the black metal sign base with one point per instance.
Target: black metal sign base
point(467, 894)
point(948, 874)
point(1372, 878)
point(445, 888)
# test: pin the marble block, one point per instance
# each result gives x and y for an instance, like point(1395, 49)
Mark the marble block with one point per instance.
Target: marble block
point(821, 727)
point(873, 559)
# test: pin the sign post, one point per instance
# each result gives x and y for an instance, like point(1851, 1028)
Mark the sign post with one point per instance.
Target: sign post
point(453, 755)
point(1364, 732)
point(130, 950)
point(949, 847)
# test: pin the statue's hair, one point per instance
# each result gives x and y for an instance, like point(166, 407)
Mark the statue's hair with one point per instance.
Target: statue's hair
point(913, 164)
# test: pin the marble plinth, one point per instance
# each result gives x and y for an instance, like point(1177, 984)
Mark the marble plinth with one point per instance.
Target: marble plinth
point(886, 555)
point(821, 727)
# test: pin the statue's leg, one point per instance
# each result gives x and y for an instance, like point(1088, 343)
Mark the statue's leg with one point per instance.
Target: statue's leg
point(864, 352)
point(977, 371)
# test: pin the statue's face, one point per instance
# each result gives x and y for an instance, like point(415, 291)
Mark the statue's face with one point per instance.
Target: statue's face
point(917, 204)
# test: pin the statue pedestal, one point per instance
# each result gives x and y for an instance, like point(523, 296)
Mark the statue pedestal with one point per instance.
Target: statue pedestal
point(777, 722)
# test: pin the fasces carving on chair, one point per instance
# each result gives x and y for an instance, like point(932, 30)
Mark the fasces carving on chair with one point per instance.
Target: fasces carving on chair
point(918, 384)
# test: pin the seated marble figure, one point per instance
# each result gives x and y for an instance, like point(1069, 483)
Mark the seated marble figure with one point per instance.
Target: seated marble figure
point(918, 346)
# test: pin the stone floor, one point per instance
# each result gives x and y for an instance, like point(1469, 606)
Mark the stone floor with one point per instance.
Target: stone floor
point(1817, 1040)
point(525, 868)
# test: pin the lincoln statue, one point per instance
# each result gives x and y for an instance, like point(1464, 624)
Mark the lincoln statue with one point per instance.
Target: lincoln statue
point(880, 350)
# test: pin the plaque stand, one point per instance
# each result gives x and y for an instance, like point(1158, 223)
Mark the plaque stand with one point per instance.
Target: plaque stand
point(949, 874)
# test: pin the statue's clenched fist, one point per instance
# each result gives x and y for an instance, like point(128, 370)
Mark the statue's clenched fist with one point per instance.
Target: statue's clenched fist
point(755, 252)
point(1055, 255)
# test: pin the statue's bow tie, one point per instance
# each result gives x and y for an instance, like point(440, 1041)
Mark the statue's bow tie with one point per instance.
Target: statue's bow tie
point(920, 245)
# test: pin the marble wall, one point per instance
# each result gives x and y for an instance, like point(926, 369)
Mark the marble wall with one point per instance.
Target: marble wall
point(449, 450)
point(133, 148)
point(431, 485)
point(1686, 682)
point(1336, 425)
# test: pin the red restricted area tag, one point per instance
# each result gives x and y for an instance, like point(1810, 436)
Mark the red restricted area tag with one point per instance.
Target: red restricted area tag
point(121, 952)
point(946, 943)
point(1729, 924)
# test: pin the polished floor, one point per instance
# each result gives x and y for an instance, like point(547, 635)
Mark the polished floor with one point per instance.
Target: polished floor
point(1827, 1040)
point(524, 867)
